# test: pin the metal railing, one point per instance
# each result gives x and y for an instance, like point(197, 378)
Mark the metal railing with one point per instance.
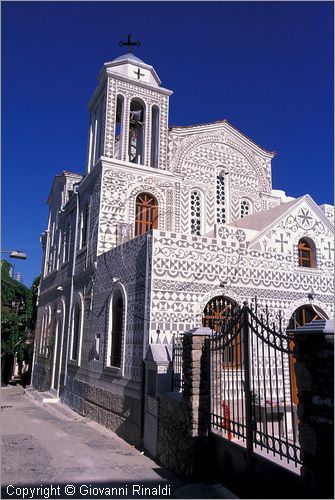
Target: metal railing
point(252, 391)
point(177, 356)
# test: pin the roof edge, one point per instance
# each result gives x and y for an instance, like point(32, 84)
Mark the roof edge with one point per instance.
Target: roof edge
point(220, 122)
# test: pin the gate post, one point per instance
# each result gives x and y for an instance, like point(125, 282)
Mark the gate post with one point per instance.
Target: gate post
point(158, 374)
point(247, 384)
point(314, 352)
point(196, 394)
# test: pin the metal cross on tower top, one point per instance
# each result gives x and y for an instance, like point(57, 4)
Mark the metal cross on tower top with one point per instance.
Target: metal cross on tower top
point(129, 43)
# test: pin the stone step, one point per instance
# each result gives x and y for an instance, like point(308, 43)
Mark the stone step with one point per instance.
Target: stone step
point(52, 403)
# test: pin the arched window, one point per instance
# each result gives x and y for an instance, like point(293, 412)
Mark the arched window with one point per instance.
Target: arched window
point(306, 253)
point(57, 350)
point(221, 197)
point(305, 314)
point(217, 312)
point(118, 127)
point(195, 212)
point(301, 316)
point(59, 249)
point(44, 340)
point(99, 129)
point(245, 208)
point(84, 225)
point(66, 242)
point(115, 344)
point(52, 249)
point(136, 132)
point(76, 331)
point(42, 333)
point(154, 136)
point(146, 217)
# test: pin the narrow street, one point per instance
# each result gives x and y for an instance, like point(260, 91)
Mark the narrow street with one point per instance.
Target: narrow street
point(50, 445)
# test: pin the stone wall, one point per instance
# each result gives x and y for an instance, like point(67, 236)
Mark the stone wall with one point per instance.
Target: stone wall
point(174, 444)
point(182, 444)
point(41, 374)
point(314, 349)
point(115, 410)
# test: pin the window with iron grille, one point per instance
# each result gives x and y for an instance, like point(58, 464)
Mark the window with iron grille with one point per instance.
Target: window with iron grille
point(221, 195)
point(195, 212)
point(245, 208)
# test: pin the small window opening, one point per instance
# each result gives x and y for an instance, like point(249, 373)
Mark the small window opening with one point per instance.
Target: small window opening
point(306, 253)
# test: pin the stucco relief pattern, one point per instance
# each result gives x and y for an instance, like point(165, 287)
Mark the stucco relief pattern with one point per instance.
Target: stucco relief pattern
point(205, 146)
point(150, 98)
point(129, 265)
point(199, 170)
point(187, 269)
point(301, 222)
point(110, 119)
point(118, 197)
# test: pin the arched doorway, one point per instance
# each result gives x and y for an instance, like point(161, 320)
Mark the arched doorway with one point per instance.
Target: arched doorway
point(301, 316)
point(217, 312)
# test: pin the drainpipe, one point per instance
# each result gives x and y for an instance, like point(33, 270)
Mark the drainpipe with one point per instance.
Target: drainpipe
point(146, 295)
point(75, 191)
point(35, 336)
point(146, 332)
point(38, 299)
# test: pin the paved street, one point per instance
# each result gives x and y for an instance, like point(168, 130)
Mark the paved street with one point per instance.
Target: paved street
point(51, 445)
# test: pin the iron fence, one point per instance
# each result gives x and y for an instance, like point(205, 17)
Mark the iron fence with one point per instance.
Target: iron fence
point(253, 393)
point(177, 357)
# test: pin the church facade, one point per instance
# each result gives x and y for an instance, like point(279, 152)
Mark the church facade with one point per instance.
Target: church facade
point(166, 225)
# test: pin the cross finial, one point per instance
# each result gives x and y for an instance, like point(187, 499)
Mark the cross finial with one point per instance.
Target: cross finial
point(129, 43)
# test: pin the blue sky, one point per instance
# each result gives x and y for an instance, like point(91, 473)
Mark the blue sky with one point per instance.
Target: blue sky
point(267, 67)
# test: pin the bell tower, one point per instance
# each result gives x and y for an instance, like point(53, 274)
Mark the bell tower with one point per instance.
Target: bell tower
point(129, 114)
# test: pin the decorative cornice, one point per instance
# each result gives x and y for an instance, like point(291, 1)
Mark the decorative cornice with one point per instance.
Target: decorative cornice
point(138, 169)
point(138, 83)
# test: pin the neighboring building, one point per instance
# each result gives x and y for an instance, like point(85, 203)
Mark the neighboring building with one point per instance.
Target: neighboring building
point(165, 223)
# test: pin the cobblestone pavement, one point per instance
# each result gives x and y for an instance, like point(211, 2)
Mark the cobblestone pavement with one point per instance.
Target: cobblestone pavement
point(51, 444)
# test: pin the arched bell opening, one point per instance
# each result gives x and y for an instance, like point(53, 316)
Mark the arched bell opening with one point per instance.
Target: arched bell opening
point(136, 131)
point(118, 127)
point(154, 136)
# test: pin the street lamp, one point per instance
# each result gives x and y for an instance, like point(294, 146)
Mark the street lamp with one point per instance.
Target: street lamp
point(15, 254)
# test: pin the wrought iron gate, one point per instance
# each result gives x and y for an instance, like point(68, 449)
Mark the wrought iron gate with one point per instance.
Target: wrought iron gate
point(252, 393)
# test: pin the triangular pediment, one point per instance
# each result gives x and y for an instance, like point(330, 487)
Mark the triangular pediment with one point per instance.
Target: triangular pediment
point(217, 128)
point(275, 228)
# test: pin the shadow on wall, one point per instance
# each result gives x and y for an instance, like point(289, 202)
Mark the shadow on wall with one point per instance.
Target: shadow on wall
point(118, 403)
